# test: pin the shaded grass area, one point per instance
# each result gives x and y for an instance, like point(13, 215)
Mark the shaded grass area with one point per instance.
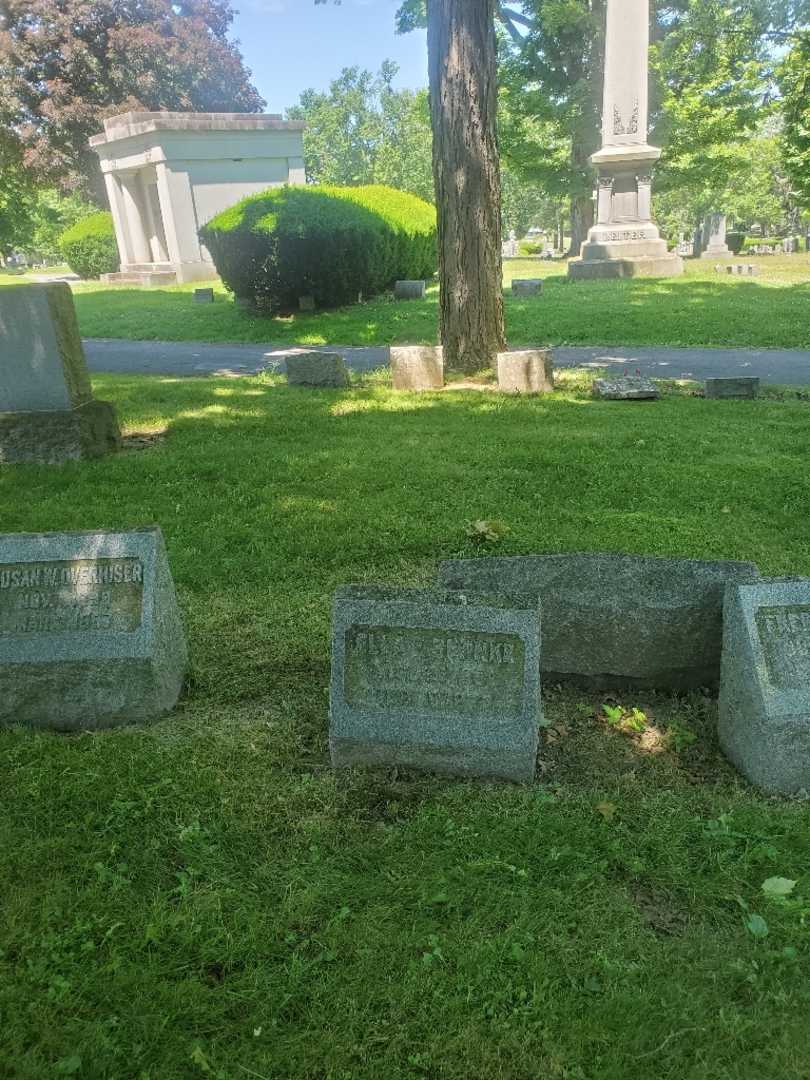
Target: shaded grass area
point(204, 897)
point(702, 308)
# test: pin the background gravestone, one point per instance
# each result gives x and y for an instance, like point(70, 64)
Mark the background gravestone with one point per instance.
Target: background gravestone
point(435, 681)
point(764, 711)
point(47, 411)
point(317, 369)
point(626, 388)
point(528, 371)
point(527, 286)
point(614, 620)
point(736, 387)
point(90, 632)
point(417, 367)
point(410, 290)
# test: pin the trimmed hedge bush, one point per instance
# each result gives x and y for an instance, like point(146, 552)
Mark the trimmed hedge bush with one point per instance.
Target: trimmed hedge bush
point(331, 243)
point(735, 241)
point(89, 246)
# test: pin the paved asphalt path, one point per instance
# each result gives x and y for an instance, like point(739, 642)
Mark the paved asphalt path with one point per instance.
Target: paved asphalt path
point(789, 366)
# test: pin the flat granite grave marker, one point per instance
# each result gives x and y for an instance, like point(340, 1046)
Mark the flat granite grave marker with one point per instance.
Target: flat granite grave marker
point(764, 710)
point(47, 411)
point(735, 387)
point(203, 296)
point(528, 371)
point(625, 388)
point(317, 369)
point(616, 620)
point(417, 367)
point(432, 680)
point(410, 290)
point(90, 632)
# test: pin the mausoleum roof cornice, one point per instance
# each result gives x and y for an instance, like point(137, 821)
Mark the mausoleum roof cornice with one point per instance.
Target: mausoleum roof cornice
point(126, 125)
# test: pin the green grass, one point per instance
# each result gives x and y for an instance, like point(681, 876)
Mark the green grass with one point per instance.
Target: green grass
point(206, 898)
point(701, 308)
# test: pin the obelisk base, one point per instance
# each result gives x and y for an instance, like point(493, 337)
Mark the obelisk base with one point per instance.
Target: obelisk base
point(626, 266)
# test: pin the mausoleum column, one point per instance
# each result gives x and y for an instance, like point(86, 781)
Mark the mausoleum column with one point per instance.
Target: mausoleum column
point(115, 199)
point(133, 209)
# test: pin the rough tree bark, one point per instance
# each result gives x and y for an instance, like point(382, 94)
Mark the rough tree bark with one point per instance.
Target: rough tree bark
point(466, 171)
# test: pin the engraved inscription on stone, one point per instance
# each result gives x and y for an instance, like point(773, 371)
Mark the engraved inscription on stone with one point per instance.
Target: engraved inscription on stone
point(82, 595)
point(785, 636)
point(452, 672)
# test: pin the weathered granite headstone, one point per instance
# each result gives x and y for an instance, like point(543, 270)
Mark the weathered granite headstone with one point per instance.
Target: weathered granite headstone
point(625, 388)
point(432, 680)
point(306, 303)
point(410, 290)
point(317, 369)
point(527, 286)
point(529, 371)
point(203, 296)
point(613, 620)
point(764, 712)
point(90, 632)
point(417, 367)
point(738, 387)
point(47, 411)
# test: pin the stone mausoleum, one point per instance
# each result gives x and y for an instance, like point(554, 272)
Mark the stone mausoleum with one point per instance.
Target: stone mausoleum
point(169, 173)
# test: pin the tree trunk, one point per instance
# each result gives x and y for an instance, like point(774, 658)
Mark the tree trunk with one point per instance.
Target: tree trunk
point(466, 173)
point(581, 222)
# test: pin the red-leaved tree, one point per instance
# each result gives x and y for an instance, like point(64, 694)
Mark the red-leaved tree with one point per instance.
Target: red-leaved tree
point(66, 64)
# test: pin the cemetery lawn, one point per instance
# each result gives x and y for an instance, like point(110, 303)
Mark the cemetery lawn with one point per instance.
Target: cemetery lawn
point(205, 898)
point(703, 308)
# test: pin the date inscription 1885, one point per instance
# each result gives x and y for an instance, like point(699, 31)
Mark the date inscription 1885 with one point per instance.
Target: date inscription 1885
point(453, 672)
point(785, 636)
point(82, 595)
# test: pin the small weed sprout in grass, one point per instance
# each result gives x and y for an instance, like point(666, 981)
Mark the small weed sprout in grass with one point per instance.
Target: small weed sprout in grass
point(487, 532)
point(631, 721)
point(678, 737)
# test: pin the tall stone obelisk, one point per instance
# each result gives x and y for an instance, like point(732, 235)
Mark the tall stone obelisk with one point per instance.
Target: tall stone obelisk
point(625, 242)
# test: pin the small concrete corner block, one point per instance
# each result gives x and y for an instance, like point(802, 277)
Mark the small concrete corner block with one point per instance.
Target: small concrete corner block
point(528, 371)
point(527, 286)
point(417, 367)
point(436, 681)
point(317, 369)
point(626, 388)
point(742, 387)
point(764, 709)
point(203, 296)
point(90, 631)
point(410, 290)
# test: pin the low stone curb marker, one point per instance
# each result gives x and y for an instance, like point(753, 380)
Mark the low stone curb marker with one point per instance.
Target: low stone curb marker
point(417, 367)
point(529, 371)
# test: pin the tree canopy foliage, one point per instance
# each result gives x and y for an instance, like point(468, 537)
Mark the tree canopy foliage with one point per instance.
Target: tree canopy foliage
point(65, 66)
point(364, 131)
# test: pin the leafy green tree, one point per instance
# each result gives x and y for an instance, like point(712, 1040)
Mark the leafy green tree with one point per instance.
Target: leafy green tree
point(794, 83)
point(16, 198)
point(363, 131)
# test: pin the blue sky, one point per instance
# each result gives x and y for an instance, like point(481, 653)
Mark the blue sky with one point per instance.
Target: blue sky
point(290, 45)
